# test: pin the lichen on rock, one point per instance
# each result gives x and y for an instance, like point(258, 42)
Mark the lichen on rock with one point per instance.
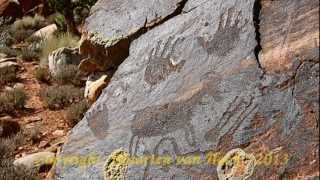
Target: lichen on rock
point(116, 165)
point(236, 165)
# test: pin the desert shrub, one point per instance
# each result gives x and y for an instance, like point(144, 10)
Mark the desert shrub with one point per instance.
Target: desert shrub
point(9, 171)
point(58, 96)
point(12, 100)
point(75, 112)
point(35, 135)
point(7, 75)
point(56, 42)
point(9, 51)
point(21, 29)
point(34, 39)
point(10, 144)
point(28, 54)
point(21, 34)
point(68, 74)
point(28, 22)
point(42, 74)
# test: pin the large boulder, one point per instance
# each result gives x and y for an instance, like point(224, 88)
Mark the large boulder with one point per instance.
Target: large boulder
point(61, 58)
point(191, 90)
point(105, 43)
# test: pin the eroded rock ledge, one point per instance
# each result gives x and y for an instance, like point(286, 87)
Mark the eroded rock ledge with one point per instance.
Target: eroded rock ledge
point(192, 85)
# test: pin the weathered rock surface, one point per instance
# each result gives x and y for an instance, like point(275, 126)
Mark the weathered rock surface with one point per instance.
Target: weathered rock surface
point(289, 29)
point(191, 86)
point(61, 58)
point(106, 46)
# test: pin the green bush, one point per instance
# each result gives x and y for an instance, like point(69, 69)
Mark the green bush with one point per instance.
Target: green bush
point(56, 97)
point(76, 112)
point(7, 75)
point(56, 42)
point(68, 75)
point(42, 74)
point(12, 100)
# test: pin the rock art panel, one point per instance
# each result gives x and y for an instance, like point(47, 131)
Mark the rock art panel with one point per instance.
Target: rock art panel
point(183, 91)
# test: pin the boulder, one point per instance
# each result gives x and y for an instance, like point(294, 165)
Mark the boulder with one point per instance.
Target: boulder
point(61, 58)
point(104, 46)
point(192, 86)
point(36, 160)
point(46, 32)
point(10, 9)
point(8, 127)
point(94, 86)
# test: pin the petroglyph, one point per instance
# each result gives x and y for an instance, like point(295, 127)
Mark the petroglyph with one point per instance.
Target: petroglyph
point(98, 121)
point(162, 62)
point(227, 36)
point(236, 164)
point(238, 110)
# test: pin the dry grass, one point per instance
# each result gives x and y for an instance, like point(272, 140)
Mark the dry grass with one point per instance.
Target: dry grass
point(42, 74)
point(7, 170)
point(56, 97)
point(68, 75)
point(12, 100)
point(56, 42)
point(76, 112)
point(7, 75)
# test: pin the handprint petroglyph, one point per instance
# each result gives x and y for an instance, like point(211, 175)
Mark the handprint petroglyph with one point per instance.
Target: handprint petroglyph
point(161, 62)
point(227, 36)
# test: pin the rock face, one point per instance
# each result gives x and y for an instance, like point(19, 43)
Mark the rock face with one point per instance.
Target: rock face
point(192, 88)
point(62, 57)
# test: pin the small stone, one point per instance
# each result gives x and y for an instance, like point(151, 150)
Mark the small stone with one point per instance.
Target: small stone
point(43, 144)
point(18, 86)
point(7, 88)
point(35, 119)
point(58, 133)
point(36, 160)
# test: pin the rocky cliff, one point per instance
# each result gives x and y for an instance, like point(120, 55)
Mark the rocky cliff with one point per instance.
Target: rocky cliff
point(196, 79)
